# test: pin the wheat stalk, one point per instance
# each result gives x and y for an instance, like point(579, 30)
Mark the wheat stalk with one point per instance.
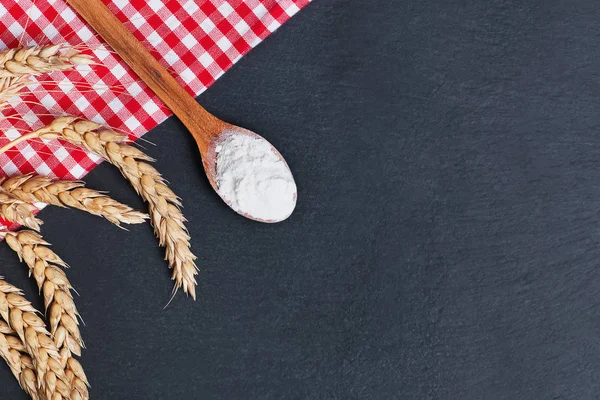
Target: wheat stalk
point(37, 188)
point(21, 317)
point(37, 60)
point(164, 205)
point(18, 211)
point(45, 266)
point(14, 352)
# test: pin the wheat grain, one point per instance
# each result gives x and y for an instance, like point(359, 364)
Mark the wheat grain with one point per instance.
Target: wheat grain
point(18, 313)
point(37, 188)
point(10, 87)
point(37, 60)
point(164, 205)
point(45, 266)
point(13, 351)
point(18, 211)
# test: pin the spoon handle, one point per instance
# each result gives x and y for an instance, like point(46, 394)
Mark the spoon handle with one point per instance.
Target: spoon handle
point(201, 124)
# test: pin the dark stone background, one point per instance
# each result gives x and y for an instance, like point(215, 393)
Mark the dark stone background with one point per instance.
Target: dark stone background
point(445, 244)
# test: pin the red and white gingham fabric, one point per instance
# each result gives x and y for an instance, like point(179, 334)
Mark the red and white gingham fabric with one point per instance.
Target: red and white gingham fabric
point(198, 40)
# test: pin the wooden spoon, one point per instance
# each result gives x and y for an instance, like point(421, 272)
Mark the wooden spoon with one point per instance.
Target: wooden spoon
point(206, 129)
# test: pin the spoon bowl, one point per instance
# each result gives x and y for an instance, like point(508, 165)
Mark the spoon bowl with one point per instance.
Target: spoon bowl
point(209, 161)
point(207, 130)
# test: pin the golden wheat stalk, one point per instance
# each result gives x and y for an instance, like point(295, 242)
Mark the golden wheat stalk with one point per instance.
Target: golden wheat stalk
point(14, 352)
point(18, 211)
point(21, 317)
point(164, 205)
point(37, 60)
point(46, 268)
point(67, 193)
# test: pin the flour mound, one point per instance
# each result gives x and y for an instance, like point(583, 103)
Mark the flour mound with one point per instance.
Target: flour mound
point(253, 179)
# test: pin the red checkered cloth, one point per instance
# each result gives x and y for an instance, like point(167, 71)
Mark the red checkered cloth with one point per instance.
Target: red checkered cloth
point(197, 40)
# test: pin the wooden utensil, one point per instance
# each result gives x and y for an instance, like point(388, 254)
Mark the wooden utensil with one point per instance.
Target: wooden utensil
point(206, 129)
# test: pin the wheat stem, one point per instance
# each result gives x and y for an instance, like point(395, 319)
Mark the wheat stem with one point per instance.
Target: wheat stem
point(16, 141)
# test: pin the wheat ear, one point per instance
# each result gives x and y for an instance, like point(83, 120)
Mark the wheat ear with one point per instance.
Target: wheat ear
point(13, 351)
point(37, 188)
point(37, 60)
point(45, 266)
point(18, 211)
point(19, 64)
point(164, 205)
point(18, 313)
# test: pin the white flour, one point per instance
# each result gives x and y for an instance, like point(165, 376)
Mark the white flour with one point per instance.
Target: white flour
point(253, 179)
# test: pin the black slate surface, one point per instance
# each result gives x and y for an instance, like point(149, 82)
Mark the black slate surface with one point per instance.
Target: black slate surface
point(445, 243)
